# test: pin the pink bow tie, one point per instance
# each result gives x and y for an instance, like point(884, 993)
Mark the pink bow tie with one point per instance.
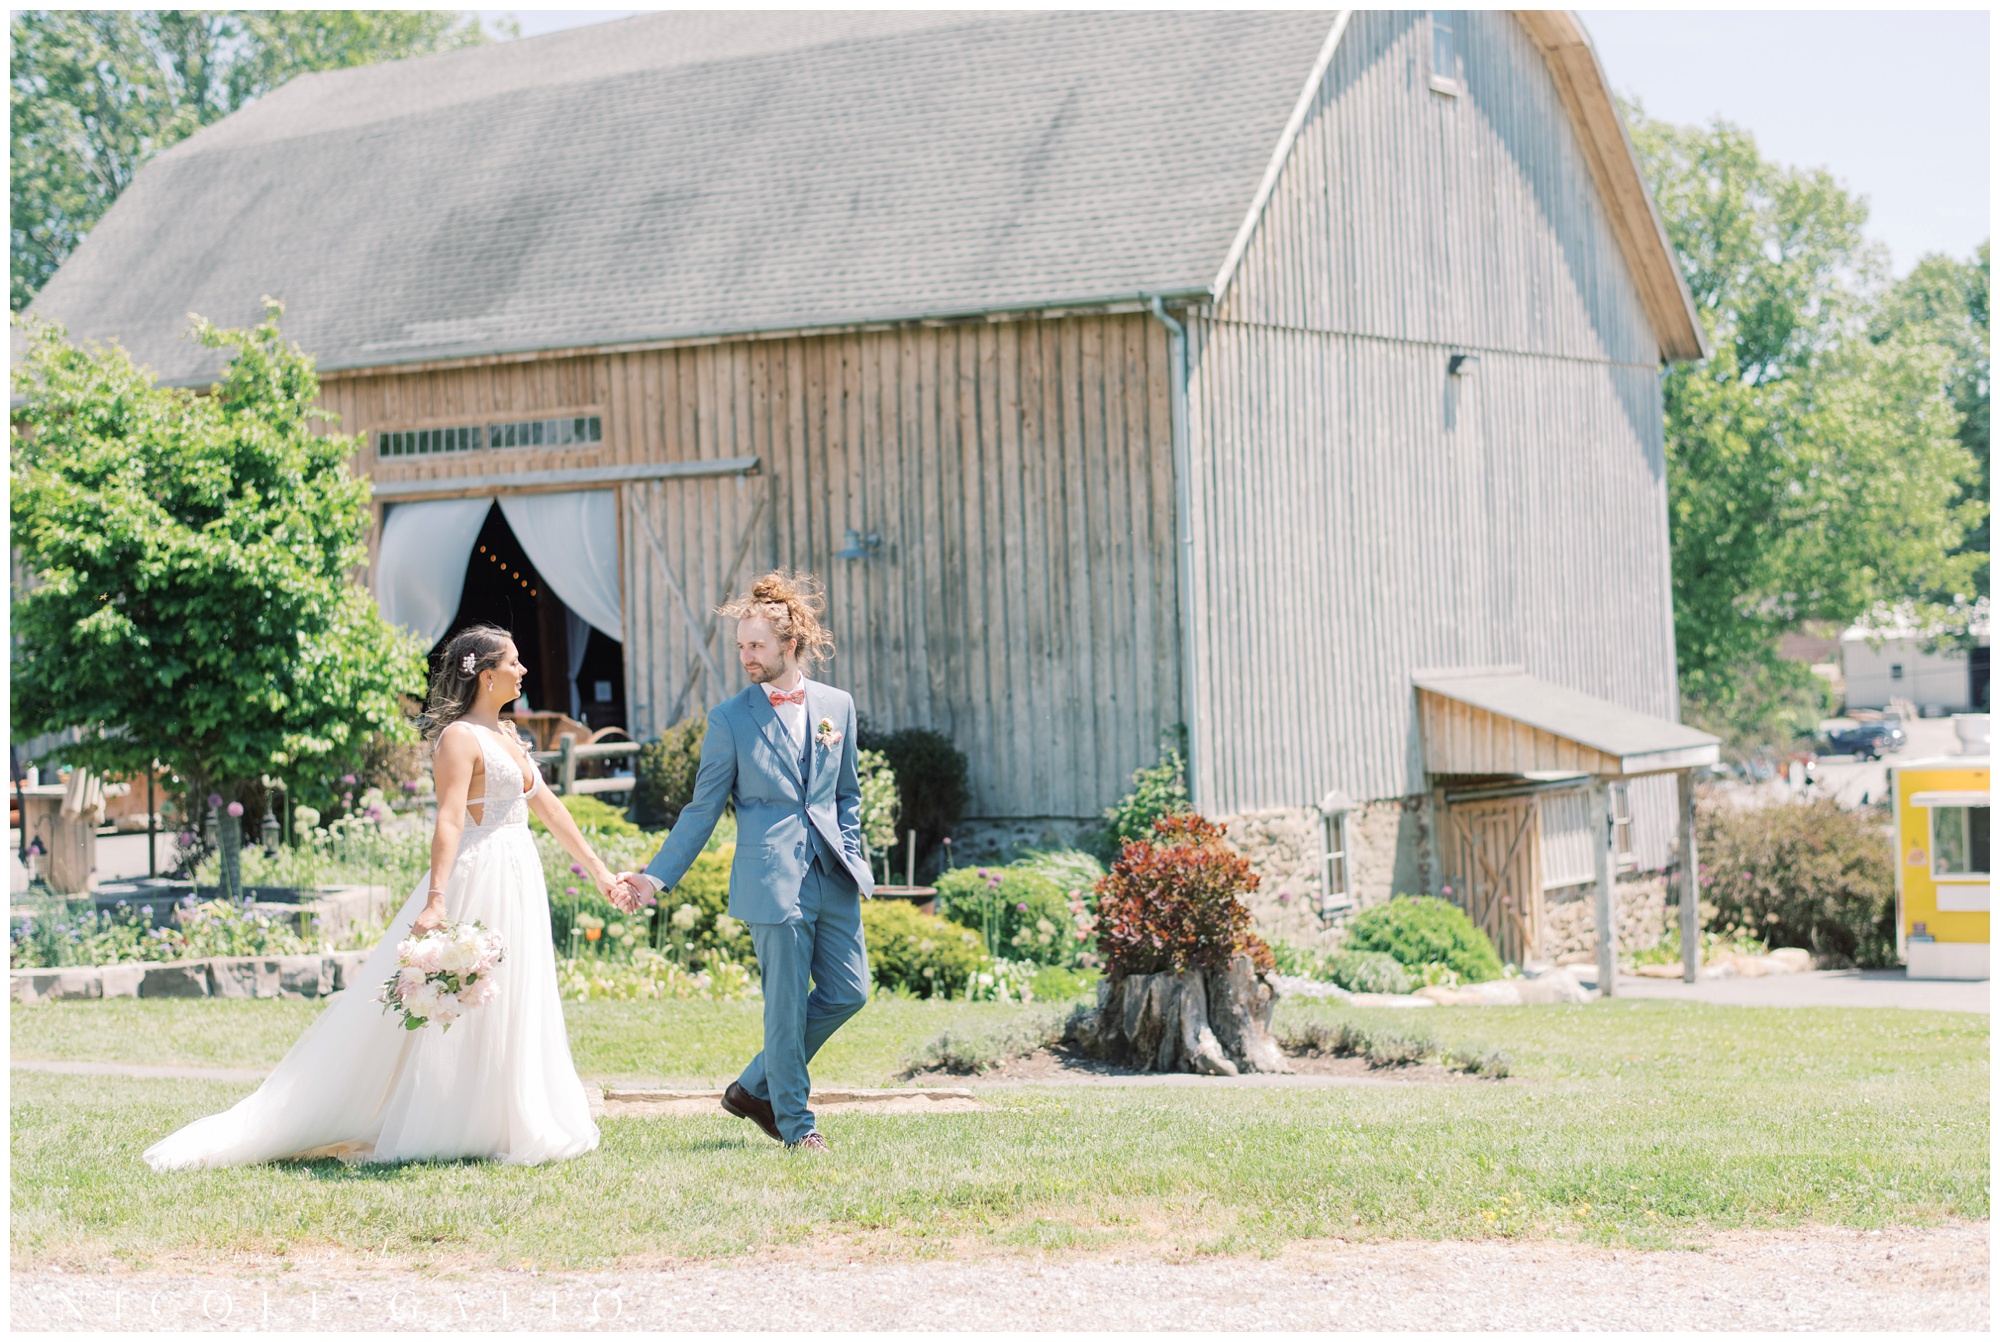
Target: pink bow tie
point(797, 696)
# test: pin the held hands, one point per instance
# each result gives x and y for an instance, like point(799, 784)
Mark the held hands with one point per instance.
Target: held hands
point(632, 892)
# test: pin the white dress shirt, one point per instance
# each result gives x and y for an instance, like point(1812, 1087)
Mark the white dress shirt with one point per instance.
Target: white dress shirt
point(794, 718)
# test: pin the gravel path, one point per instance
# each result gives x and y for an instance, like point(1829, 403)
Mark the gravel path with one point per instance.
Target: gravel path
point(1905, 1278)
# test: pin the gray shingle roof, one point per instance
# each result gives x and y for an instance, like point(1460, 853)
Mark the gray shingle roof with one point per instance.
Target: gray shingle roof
point(683, 175)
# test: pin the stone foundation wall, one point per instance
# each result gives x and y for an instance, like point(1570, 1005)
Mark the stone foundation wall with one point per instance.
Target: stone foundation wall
point(1390, 851)
point(1569, 918)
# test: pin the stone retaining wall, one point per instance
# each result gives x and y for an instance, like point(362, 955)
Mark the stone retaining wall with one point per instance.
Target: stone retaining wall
point(1569, 918)
point(295, 976)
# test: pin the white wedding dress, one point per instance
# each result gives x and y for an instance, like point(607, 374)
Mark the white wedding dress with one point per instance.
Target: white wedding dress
point(498, 1085)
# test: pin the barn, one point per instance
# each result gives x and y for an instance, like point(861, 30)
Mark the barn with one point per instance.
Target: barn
point(1287, 378)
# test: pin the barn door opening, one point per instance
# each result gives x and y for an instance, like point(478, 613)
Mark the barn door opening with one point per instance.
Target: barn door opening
point(573, 668)
point(1494, 860)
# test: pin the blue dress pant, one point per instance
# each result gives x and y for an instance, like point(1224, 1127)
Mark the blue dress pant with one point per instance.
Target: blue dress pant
point(822, 946)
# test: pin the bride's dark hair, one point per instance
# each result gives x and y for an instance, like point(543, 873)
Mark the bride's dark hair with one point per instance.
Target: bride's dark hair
point(455, 686)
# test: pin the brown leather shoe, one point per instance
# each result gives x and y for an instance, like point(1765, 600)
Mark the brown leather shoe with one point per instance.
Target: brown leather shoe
point(741, 1103)
point(812, 1141)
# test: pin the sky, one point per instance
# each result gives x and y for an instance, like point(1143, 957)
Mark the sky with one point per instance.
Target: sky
point(1894, 103)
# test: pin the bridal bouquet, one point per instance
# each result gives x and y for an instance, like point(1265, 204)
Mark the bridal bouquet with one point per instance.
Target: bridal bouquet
point(442, 975)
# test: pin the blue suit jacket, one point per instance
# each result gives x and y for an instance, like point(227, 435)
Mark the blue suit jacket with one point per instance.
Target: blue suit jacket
point(746, 757)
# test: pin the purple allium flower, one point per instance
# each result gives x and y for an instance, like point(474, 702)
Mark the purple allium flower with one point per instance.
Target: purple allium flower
point(215, 799)
point(348, 780)
point(570, 890)
point(410, 786)
point(236, 808)
point(146, 909)
point(1022, 907)
point(575, 868)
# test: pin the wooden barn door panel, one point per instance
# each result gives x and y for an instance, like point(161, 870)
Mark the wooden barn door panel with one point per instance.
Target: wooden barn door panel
point(691, 545)
point(1494, 858)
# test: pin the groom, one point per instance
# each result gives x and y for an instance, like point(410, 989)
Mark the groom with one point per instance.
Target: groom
point(783, 751)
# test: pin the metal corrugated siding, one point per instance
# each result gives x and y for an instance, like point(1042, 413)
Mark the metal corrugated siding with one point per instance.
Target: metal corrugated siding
point(1413, 215)
point(1359, 514)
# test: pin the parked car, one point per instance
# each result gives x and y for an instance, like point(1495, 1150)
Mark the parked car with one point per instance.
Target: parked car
point(1867, 740)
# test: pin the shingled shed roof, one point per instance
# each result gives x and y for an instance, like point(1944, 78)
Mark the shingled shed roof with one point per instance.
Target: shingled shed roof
point(619, 191)
point(690, 175)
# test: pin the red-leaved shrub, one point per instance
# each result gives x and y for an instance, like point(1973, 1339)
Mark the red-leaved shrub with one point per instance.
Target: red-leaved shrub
point(1174, 902)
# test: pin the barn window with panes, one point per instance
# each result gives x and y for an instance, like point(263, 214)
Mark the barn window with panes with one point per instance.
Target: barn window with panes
point(426, 442)
point(1447, 51)
point(576, 431)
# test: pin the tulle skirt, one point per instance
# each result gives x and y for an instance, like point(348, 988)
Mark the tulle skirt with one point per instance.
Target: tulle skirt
point(499, 1085)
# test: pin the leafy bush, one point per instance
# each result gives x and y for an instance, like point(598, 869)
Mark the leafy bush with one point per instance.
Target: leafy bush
point(664, 778)
point(1067, 867)
point(933, 784)
point(1368, 972)
point(1020, 914)
point(1158, 790)
point(969, 1050)
point(1356, 971)
point(879, 804)
point(592, 816)
point(1175, 902)
point(1419, 930)
point(1804, 874)
point(1384, 1046)
point(918, 953)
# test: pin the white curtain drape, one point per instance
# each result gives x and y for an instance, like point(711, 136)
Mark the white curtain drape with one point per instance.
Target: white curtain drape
point(420, 567)
point(572, 540)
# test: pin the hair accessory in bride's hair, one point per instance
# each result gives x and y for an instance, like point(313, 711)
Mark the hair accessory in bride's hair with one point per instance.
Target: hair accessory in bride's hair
point(471, 659)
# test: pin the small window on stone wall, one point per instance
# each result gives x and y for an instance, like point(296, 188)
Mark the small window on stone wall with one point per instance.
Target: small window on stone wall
point(1336, 881)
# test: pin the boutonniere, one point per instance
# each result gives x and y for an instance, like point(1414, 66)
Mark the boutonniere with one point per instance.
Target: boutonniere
point(827, 734)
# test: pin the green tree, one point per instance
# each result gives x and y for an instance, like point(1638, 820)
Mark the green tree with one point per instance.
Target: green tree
point(1813, 472)
point(1946, 301)
point(95, 93)
point(189, 563)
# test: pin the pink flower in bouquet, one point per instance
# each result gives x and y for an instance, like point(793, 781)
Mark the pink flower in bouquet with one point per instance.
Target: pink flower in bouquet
point(482, 991)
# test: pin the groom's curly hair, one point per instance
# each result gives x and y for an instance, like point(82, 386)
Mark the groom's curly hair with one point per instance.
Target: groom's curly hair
point(793, 602)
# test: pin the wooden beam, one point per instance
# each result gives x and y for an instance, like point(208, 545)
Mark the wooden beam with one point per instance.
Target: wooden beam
point(582, 477)
point(1602, 838)
point(1690, 881)
point(1614, 166)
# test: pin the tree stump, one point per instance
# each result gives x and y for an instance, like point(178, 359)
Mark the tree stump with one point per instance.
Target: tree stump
point(1216, 1024)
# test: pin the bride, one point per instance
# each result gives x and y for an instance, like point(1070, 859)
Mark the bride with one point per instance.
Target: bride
point(499, 1084)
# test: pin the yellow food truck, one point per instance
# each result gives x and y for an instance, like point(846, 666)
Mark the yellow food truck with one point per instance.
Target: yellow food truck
point(1944, 865)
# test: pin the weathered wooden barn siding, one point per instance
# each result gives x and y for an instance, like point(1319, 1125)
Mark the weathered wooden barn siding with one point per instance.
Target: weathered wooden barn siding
point(1019, 474)
point(1360, 513)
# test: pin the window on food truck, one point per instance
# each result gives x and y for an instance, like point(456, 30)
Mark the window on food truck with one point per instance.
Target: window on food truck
point(1961, 839)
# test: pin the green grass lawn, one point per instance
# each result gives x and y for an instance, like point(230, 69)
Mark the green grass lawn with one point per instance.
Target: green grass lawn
point(1627, 1122)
